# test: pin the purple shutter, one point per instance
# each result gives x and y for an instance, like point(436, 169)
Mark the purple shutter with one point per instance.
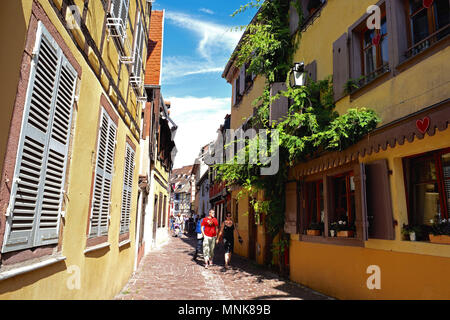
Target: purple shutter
point(291, 218)
point(311, 70)
point(242, 80)
point(340, 66)
point(378, 208)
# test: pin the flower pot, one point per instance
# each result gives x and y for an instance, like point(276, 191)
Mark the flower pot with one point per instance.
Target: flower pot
point(345, 234)
point(313, 232)
point(412, 236)
point(333, 233)
point(443, 239)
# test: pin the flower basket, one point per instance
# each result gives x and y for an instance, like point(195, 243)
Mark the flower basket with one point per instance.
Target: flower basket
point(313, 232)
point(442, 239)
point(346, 234)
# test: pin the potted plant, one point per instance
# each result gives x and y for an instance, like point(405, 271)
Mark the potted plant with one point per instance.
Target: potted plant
point(440, 231)
point(344, 229)
point(313, 5)
point(315, 229)
point(410, 232)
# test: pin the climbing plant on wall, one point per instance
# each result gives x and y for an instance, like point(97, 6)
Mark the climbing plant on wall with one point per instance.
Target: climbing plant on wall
point(310, 127)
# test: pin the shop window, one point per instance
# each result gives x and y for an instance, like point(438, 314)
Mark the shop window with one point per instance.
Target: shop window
point(343, 199)
point(426, 26)
point(428, 187)
point(314, 203)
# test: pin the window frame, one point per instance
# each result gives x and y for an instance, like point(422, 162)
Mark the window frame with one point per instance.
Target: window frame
point(436, 155)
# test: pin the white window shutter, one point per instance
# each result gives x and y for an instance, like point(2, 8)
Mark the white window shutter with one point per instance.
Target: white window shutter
point(101, 202)
point(242, 80)
point(127, 190)
point(124, 12)
point(56, 164)
point(36, 195)
point(138, 47)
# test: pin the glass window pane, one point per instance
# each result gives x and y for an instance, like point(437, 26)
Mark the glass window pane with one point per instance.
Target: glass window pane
point(384, 50)
point(426, 202)
point(419, 24)
point(442, 13)
point(370, 58)
point(415, 5)
point(383, 27)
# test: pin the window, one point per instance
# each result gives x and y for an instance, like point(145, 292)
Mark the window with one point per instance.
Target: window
point(33, 215)
point(426, 26)
point(343, 198)
point(428, 186)
point(104, 171)
point(118, 17)
point(314, 202)
point(127, 190)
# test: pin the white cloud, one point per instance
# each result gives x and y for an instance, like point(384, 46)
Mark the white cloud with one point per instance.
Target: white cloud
point(205, 10)
point(214, 45)
point(198, 120)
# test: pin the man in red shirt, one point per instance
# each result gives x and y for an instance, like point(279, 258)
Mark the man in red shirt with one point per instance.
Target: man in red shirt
point(210, 227)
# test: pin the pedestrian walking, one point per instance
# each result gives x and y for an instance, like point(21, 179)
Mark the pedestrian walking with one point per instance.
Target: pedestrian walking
point(198, 231)
point(210, 227)
point(227, 234)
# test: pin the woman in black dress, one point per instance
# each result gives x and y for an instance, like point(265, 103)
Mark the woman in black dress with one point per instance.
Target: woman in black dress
point(227, 234)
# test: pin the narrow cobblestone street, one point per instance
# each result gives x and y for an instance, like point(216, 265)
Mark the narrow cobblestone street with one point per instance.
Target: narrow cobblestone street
point(170, 274)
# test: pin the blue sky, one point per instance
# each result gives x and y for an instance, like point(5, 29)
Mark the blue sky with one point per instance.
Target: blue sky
point(198, 41)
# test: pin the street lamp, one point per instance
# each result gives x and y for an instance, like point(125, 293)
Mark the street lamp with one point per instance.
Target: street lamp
point(298, 75)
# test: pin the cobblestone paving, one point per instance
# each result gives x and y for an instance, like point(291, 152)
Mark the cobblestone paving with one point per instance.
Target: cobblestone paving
point(169, 273)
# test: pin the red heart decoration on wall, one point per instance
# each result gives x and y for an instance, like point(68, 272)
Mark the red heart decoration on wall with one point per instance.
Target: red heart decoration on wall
point(376, 40)
point(427, 3)
point(423, 125)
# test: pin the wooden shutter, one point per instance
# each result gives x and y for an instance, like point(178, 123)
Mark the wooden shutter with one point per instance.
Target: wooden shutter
point(127, 189)
point(242, 80)
point(377, 206)
point(103, 177)
point(37, 192)
point(115, 8)
point(292, 205)
point(280, 107)
point(311, 71)
point(138, 47)
point(340, 66)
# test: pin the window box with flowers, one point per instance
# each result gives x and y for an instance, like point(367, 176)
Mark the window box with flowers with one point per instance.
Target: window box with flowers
point(440, 231)
point(342, 229)
point(315, 229)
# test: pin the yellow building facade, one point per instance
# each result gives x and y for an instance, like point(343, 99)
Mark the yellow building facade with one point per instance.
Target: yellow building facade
point(70, 149)
point(397, 175)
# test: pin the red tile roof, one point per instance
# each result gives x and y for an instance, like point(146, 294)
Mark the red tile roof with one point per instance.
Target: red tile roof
point(155, 49)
